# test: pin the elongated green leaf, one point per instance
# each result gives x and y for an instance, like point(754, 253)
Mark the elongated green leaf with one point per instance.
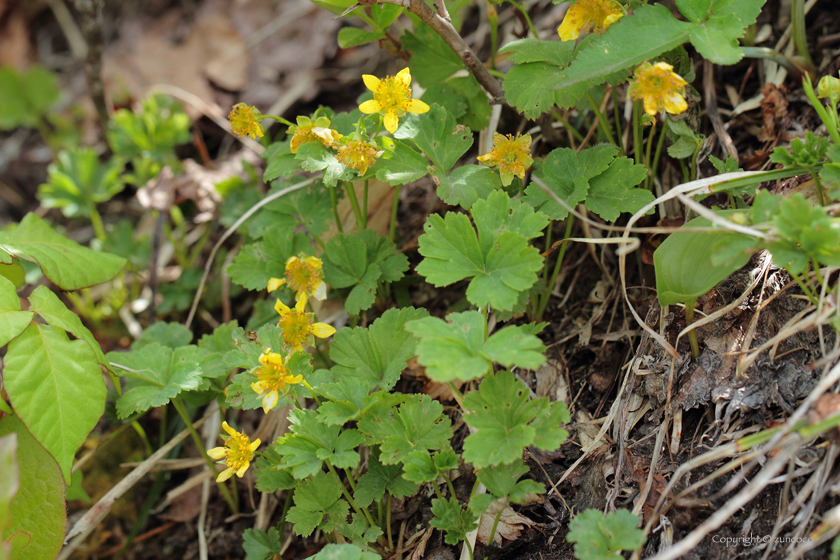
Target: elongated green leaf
point(66, 263)
point(37, 509)
point(56, 388)
point(12, 319)
point(685, 269)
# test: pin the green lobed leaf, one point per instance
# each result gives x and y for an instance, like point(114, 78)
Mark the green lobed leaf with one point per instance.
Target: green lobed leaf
point(401, 166)
point(279, 161)
point(56, 388)
point(421, 467)
point(684, 264)
point(155, 375)
point(467, 184)
point(13, 321)
point(312, 442)
point(171, 335)
point(379, 478)
point(66, 263)
point(309, 207)
point(358, 531)
point(436, 135)
point(506, 421)
point(344, 552)
point(650, 31)
point(78, 180)
point(716, 38)
point(612, 192)
point(503, 483)
point(457, 349)
point(603, 537)
point(314, 156)
point(318, 504)
point(37, 508)
point(378, 354)
point(26, 97)
point(451, 518)
point(359, 261)
point(258, 262)
point(261, 545)
point(805, 233)
point(529, 84)
point(418, 423)
point(432, 60)
point(268, 475)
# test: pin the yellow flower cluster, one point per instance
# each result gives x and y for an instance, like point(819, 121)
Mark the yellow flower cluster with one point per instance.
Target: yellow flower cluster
point(511, 155)
point(273, 378)
point(659, 88)
point(308, 130)
point(245, 120)
point(236, 454)
point(391, 98)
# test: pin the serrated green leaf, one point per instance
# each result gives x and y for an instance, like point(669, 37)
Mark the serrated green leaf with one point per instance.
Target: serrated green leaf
point(25, 97)
point(650, 31)
point(260, 545)
point(314, 156)
point(379, 478)
point(604, 537)
point(432, 60)
point(13, 321)
point(311, 443)
point(56, 388)
point(401, 166)
point(308, 207)
point(418, 423)
point(359, 260)
point(435, 134)
point(240, 395)
point(478, 108)
point(457, 350)
point(683, 262)
point(344, 552)
point(558, 53)
point(376, 355)
point(503, 483)
point(421, 467)
point(805, 233)
point(567, 174)
point(612, 192)
point(66, 263)
point(358, 531)
point(318, 504)
point(257, 263)
point(268, 475)
point(171, 335)
point(155, 375)
point(212, 349)
point(78, 180)
point(279, 161)
point(530, 87)
point(467, 184)
point(451, 518)
point(37, 508)
point(717, 38)
point(506, 421)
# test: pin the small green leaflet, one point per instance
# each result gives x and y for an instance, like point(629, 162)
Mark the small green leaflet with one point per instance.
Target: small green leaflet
point(349, 400)
point(314, 156)
point(78, 180)
point(171, 335)
point(344, 551)
point(268, 476)
point(66, 263)
point(258, 262)
point(358, 531)
point(308, 207)
point(376, 355)
point(27, 96)
point(155, 375)
point(498, 257)
point(359, 261)
point(503, 483)
point(318, 504)
point(467, 184)
point(379, 478)
point(593, 175)
point(451, 518)
point(12, 320)
point(421, 467)
point(457, 349)
point(529, 84)
point(419, 423)
point(311, 443)
point(506, 421)
point(279, 161)
point(260, 545)
point(437, 135)
point(402, 165)
point(716, 38)
point(599, 536)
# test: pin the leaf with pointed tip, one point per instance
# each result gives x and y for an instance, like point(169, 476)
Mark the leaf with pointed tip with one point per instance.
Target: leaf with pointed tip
point(12, 320)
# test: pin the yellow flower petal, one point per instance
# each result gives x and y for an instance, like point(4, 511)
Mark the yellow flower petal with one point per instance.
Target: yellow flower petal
point(216, 453)
point(415, 106)
point(391, 121)
point(323, 330)
point(241, 472)
point(371, 82)
point(282, 308)
point(370, 107)
point(321, 292)
point(314, 262)
point(256, 443)
point(225, 474)
point(269, 400)
point(404, 76)
point(275, 283)
point(228, 429)
point(301, 304)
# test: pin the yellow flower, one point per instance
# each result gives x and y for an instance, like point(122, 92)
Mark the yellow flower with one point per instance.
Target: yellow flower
point(298, 327)
point(274, 377)
point(357, 154)
point(245, 119)
point(600, 14)
point(659, 87)
point(304, 276)
point(308, 131)
point(391, 98)
point(237, 453)
point(511, 155)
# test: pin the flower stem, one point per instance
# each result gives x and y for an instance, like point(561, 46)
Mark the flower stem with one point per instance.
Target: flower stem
point(618, 121)
point(354, 202)
point(363, 512)
point(522, 9)
point(650, 171)
point(179, 407)
point(334, 201)
point(603, 124)
point(820, 109)
point(392, 229)
point(556, 271)
point(288, 504)
point(637, 132)
point(365, 204)
point(388, 523)
point(692, 334)
point(493, 529)
point(96, 221)
point(656, 155)
point(797, 23)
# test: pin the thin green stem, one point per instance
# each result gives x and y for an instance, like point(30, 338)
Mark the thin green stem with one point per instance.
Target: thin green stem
point(469, 548)
point(281, 524)
point(179, 407)
point(655, 168)
point(493, 529)
point(522, 9)
point(805, 289)
point(817, 272)
point(334, 201)
point(354, 202)
point(449, 484)
point(651, 134)
point(820, 109)
point(437, 490)
point(311, 390)
point(561, 255)
point(637, 132)
point(392, 229)
point(547, 247)
point(363, 512)
point(617, 116)
point(388, 523)
point(365, 204)
point(603, 123)
point(278, 119)
point(574, 132)
point(142, 434)
point(820, 190)
point(96, 221)
point(350, 480)
point(797, 23)
point(493, 20)
point(692, 334)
